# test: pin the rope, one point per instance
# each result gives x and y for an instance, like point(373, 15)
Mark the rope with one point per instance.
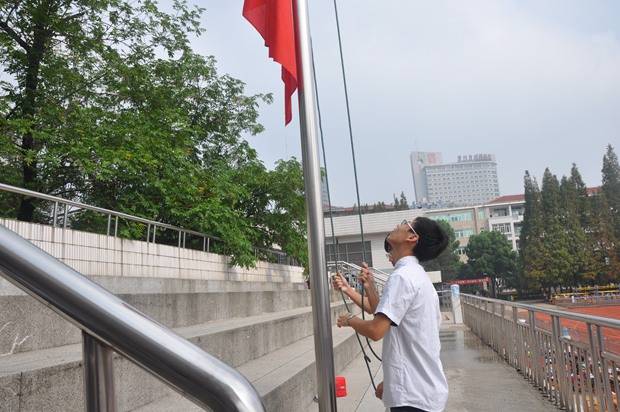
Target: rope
point(357, 191)
point(331, 220)
point(366, 358)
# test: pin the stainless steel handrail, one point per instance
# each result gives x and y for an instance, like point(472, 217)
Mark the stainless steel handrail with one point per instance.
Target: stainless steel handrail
point(578, 371)
point(379, 275)
point(151, 234)
point(116, 325)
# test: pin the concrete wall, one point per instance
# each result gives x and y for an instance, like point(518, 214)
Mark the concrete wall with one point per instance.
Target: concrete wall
point(100, 255)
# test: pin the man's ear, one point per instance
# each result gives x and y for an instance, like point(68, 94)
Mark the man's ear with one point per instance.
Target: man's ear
point(412, 239)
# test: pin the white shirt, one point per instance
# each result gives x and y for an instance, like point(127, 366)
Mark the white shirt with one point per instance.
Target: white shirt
point(412, 370)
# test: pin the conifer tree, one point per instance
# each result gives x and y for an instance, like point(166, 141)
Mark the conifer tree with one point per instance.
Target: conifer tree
point(531, 255)
point(557, 258)
point(611, 187)
point(578, 222)
point(609, 215)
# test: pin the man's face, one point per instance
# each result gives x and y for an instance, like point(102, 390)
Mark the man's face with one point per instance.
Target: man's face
point(401, 233)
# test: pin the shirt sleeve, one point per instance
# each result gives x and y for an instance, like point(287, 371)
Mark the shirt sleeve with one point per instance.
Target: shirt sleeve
point(396, 298)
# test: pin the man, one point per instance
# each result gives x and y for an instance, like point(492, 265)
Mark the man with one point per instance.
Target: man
point(408, 317)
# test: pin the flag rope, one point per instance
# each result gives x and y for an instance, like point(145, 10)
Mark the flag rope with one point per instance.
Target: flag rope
point(331, 220)
point(359, 209)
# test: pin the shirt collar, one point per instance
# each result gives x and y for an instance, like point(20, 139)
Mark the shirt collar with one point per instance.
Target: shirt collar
point(406, 259)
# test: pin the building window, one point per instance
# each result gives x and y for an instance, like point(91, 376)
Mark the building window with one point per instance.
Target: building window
point(461, 233)
point(350, 253)
point(501, 227)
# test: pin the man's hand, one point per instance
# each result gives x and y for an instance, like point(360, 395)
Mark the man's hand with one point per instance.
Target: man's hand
point(379, 391)
point(340, 282)
point(343, 320)
point(367, 277)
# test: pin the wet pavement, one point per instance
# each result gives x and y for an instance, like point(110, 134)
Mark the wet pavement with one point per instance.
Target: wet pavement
point(480, 380)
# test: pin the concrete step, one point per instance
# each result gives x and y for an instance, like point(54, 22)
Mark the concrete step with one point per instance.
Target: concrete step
point(285, 378)
point(53, 376)
point(135, 284)
point(26, 324)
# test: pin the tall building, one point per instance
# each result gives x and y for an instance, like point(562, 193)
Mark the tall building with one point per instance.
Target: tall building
point(471, 180)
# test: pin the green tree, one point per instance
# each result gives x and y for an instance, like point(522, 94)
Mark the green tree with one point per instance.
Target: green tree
point(556, 246)
point(448, 261)
point(609, 215)
point(401, 202)
point(491, 253)
point(610, 185)
point(578, 222)
point(105, 102)
point(531, 248)
point(607, 249)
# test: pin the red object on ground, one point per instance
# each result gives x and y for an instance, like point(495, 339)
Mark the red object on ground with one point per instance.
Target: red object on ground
point(341, 386)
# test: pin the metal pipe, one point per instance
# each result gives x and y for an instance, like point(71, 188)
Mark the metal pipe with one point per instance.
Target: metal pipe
point(99, 388)
point(55, 216)
point(196, 374)
point(323, 341)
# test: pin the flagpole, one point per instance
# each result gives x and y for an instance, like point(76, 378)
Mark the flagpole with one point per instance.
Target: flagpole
point(308, 121)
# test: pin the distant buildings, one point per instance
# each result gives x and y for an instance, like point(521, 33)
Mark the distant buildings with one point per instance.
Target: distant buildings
point(471, 180)
point(504, 214)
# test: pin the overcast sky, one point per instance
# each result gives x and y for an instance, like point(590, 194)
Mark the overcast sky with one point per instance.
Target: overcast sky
point(535, 82)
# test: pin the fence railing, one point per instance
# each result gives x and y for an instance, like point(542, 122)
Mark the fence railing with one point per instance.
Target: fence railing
point(573, 359)
point(109, 324)
point(351, 271)
point(61, 210)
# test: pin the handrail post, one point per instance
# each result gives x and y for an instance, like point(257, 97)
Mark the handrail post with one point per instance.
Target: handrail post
point(55, 215)
point(100, 395)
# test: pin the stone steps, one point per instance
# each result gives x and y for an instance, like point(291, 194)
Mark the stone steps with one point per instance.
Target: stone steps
point(34, 379)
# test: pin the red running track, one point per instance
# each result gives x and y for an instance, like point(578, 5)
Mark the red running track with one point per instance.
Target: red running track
point(612, 312)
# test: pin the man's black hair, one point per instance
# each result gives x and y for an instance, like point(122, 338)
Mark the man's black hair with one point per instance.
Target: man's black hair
point(386, 245)
point(432, 239)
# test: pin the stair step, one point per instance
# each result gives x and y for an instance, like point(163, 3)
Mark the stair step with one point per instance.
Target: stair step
point(285, 378)
point(234, 341)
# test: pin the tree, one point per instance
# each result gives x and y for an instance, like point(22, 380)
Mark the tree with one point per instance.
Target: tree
point(401, 203)
point(610, 186)
point(556, 246)
point(606, 248)
point(531, 256)
point(448, 261)
point(608, 208)
point(577, 220)
point(106, 103)
point(490, 253)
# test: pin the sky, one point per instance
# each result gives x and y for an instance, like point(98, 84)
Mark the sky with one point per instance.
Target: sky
point(535, 82)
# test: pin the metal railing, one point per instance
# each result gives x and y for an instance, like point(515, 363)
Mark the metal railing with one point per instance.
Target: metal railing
point(61, 210)
point(352, 270)
point(445, 300)
point(573, 359)
point(109, 324)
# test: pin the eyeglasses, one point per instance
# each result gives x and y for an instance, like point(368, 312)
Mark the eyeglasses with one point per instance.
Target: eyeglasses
point(406, 222)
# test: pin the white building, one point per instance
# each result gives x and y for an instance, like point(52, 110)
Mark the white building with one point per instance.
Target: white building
point(471, 180)
point(504, 214)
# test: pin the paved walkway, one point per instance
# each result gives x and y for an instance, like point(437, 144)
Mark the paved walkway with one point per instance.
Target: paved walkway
point(479, 380)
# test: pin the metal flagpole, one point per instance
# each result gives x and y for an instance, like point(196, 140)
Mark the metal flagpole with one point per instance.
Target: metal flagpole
point(323, 342)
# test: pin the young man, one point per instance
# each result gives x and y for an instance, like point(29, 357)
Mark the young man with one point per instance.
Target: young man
point(408, 317)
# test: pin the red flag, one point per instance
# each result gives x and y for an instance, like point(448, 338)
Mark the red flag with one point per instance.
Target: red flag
point(273, 19)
